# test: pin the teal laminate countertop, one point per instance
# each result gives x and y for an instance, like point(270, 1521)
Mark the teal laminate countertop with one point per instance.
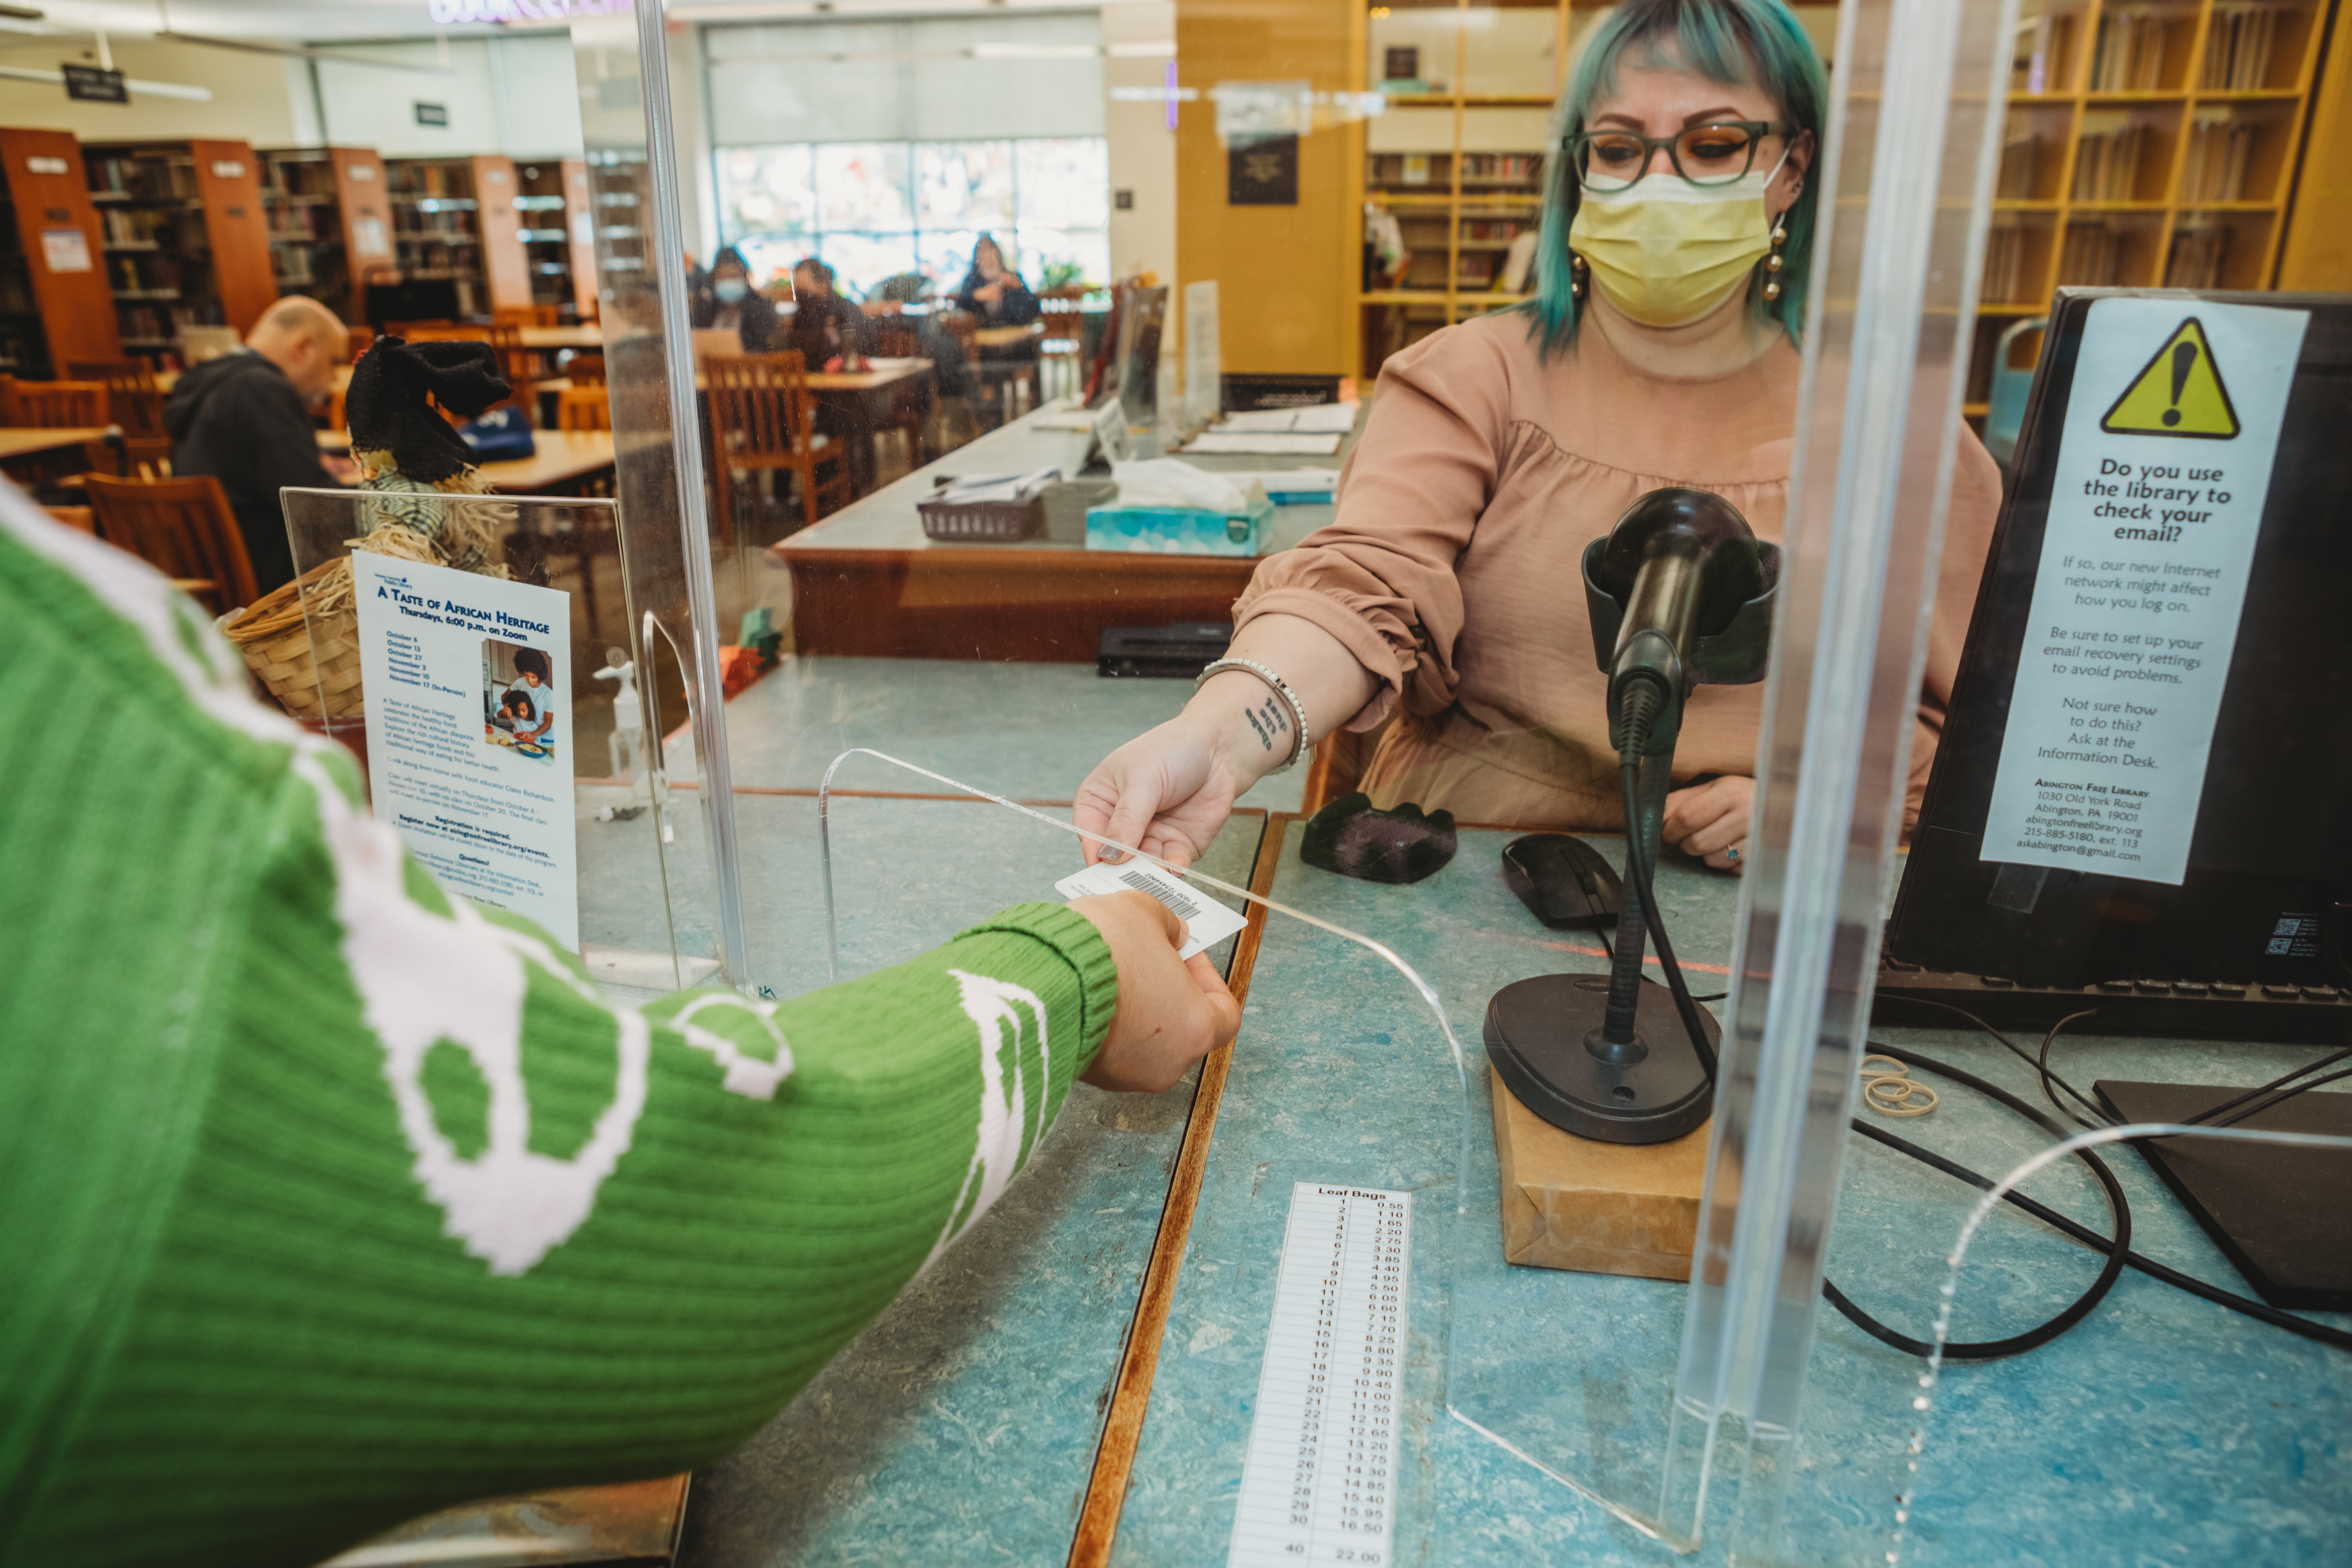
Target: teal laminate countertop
point(2163, 1429)
point(962, 1426)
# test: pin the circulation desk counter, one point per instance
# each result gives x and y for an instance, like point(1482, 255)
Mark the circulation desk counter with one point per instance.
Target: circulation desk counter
point(866, 581)
point(2161, 1429)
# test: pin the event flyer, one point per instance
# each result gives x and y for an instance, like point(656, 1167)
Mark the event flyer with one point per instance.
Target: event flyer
point(2163, 470)
point(469, 731)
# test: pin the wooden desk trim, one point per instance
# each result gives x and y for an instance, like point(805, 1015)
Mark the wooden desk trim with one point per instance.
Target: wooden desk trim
point(1037, 606)
point(1130, 1397)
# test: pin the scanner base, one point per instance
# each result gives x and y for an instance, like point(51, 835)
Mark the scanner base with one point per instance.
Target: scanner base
point(1535, 1036)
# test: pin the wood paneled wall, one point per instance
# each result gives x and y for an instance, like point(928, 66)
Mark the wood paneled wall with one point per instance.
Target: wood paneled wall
point(51, 191)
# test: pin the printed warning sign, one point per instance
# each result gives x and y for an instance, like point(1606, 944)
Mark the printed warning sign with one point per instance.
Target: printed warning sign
point(2178, 393)
point(2145, 559)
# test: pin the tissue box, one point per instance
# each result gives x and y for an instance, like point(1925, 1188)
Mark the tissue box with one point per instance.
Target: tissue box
point(1178, 530)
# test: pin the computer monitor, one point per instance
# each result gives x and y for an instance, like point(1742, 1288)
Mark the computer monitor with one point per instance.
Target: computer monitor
point(2016, 870)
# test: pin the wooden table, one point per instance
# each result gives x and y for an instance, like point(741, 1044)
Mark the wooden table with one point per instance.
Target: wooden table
point(866, 581)
point(564, 458)
point(587, 336)
point(1005, 337)
point(35, 455)
point(877, 376)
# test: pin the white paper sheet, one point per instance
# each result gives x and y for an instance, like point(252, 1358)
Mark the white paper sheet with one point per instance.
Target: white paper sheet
point(1219, 444)
point(1206, 921)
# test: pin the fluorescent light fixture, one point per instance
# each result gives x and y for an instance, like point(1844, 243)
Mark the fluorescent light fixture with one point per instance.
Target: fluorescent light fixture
point(1035, 51)
point(1162, 50)
point(292, 52)
point(151, 88)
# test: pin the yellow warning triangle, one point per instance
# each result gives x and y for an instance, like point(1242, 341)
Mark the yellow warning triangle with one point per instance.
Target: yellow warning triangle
point(2178, 393)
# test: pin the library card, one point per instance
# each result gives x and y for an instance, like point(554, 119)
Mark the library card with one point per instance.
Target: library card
point(1206, 921)
point(1318, 1482)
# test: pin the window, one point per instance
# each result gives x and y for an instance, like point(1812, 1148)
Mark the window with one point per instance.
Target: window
point(875, 209)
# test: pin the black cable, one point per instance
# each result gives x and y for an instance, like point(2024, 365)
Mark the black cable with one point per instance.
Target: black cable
point(2262, 1311)
point(2282, 1099)
point(2019, 1052)
point(2041, 1067)
point(1636, 716)
point(2117, 1248)
point(2202, 1118)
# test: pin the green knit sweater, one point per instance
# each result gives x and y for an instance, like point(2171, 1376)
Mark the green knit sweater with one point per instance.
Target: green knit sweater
point(327, 1199)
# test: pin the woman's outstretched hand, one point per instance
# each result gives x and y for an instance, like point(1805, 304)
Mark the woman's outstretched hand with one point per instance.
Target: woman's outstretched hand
point(1709, 821)
point(1166, 792)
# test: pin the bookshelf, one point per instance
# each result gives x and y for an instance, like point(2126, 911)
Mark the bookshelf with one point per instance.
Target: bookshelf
point(1456, 161)
point(559, 237)
point(186, 241)
point(455, 219)
point(55, 304)
point(330, 224)
point(2149, 145)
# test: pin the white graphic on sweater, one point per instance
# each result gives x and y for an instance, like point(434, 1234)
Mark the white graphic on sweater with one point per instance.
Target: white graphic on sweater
point(1008, 1128)
point(422, 977)
point(747, 1075)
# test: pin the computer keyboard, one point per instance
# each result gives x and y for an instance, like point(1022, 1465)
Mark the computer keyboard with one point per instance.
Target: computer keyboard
point(2193, 1009)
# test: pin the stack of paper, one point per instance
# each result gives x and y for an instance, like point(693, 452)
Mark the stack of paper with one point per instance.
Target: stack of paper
point(1291, 432)
point(996, 487)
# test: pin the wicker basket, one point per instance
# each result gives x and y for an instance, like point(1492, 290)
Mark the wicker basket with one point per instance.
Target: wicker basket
point(309, 679)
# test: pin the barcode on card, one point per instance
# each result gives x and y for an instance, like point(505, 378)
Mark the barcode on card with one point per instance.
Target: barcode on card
point(1184, 906)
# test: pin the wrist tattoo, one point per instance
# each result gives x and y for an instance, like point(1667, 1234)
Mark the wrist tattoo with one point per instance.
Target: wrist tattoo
point(1267, 721)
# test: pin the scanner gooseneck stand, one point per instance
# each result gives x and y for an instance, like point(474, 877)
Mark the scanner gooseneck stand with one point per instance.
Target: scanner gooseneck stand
point(1680, 595)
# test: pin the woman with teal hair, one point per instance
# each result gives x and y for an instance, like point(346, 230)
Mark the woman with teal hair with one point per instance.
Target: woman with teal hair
point(1660, 349)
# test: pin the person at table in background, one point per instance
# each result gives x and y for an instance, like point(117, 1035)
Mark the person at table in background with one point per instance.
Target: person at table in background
point(328, 1199)
point(245, 419)
point(993, 291)
point(728, 300)
point(832, 334)
point(996, 295)
point(1660, 350)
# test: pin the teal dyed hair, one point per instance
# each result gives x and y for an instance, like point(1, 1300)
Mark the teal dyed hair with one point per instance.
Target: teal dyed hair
point(1742, 43)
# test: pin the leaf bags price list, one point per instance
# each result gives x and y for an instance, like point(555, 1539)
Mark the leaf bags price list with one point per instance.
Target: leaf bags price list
point(1319, 1484)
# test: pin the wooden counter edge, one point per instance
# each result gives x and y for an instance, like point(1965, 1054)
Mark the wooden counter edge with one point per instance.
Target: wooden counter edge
point(1122, 1430)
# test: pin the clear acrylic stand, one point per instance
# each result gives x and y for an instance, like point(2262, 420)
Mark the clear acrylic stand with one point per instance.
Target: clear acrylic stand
point(629, 934)
point(2284, 1470)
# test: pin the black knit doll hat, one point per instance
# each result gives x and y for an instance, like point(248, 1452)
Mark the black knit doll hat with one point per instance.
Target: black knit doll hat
point(394, 386)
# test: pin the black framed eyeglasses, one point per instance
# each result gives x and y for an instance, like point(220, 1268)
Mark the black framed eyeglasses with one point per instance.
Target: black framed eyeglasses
point(1714, 153)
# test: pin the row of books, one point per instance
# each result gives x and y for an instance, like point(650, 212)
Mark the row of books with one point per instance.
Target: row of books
point(1491, 228)
point(140, 225)
point(145, 273)
point(2196, 258)
point(2004, 269)
point(148, 178)
point(2044, 44)
point(2215, 167)
point(2238, 51)
point(1507, 167)
point(2128, 53)
point(2092, 256)
point(159, 323)
point(2106, 165)
point(2021, 167)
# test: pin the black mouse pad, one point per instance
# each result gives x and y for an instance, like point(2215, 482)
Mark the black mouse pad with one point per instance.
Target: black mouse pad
point(2282, 1215)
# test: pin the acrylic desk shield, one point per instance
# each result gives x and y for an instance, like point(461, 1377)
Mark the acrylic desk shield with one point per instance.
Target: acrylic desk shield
point(495, 666)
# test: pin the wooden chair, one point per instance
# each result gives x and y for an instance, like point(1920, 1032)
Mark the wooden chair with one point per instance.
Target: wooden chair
point(78, 517)
point(762, 418)
point(357, 341)
point(583, 409)
point(427, 331)
point(519, 364)
point(527, 315)
point(182, 528)
point(910, 400)
point(133, 399)
point(146, 458)
point(57, 405)
point(585, 368)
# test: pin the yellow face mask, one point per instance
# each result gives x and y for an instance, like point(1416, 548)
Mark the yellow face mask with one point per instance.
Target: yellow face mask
point(1666, 252)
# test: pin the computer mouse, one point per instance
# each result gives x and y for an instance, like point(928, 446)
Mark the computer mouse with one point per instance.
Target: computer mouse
point(1563, 881)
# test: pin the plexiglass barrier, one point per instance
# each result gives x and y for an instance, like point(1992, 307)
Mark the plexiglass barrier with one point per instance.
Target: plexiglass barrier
point(462, 646)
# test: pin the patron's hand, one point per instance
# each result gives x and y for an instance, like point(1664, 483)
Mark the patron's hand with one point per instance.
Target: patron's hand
point(1166, 792)
point(1709, 821)
point(1171, 1012)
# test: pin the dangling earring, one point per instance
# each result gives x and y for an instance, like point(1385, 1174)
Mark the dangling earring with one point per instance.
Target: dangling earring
point(1772, 263)
point(1575, 276)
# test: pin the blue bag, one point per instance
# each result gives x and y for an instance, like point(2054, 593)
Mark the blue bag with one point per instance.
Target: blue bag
point(500, 435)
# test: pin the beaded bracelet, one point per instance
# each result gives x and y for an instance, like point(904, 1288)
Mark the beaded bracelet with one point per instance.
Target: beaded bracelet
point(1281, 689)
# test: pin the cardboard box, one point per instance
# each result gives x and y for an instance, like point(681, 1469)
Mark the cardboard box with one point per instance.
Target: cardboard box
point(1599, 1208)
